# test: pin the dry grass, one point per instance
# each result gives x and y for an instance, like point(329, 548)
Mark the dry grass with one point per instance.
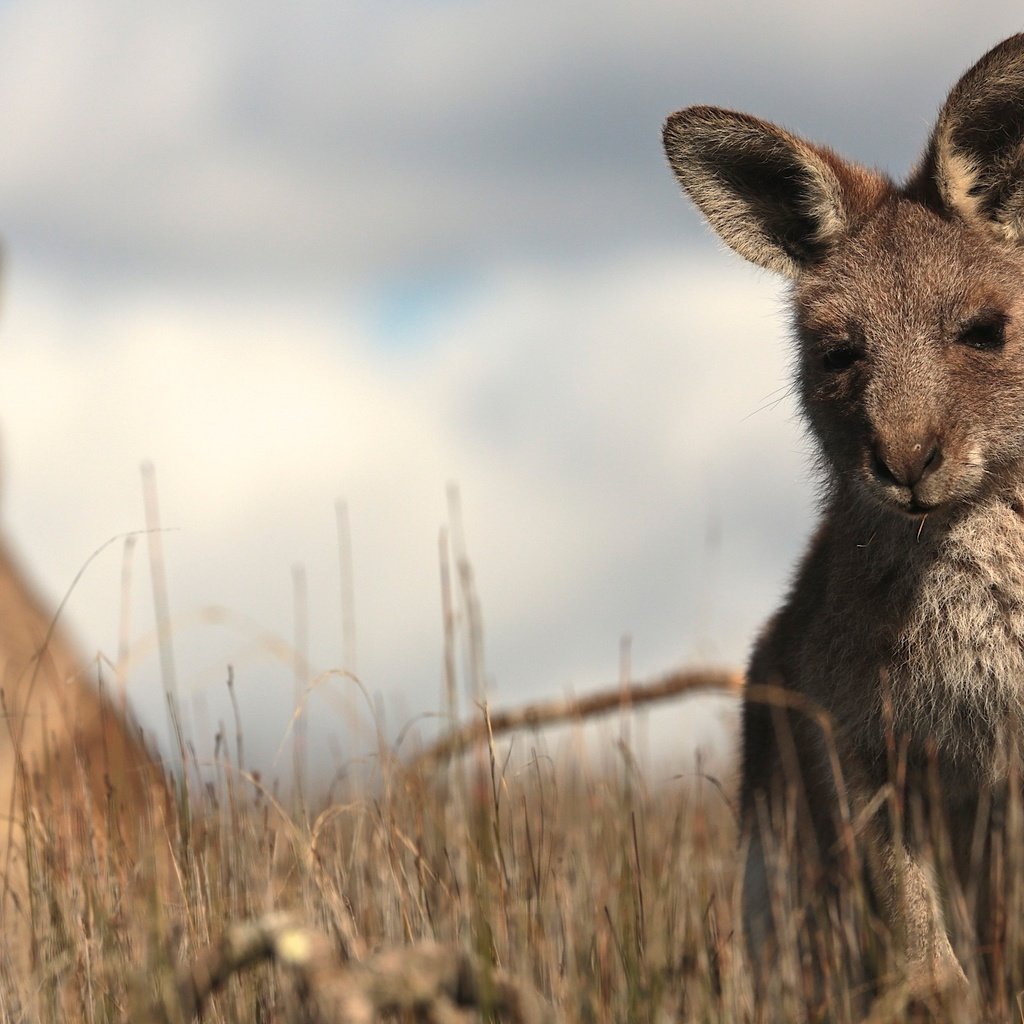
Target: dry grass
point(608, 890)
point(539, 866)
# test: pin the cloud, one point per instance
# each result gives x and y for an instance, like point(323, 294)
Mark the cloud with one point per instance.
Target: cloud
point(347, 142)
point(363, 250)
point(590, 418)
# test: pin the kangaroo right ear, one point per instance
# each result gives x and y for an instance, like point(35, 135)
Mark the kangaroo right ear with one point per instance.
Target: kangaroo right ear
point(976, 156)
point(777, 200)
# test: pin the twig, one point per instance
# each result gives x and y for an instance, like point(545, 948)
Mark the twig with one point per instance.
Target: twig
point(535, 716)
point(437, 983)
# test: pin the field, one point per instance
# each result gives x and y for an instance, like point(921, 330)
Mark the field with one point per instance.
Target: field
point(554, 877)
point(566, 867)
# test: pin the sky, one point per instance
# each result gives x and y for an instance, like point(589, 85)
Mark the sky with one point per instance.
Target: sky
point(374, 252)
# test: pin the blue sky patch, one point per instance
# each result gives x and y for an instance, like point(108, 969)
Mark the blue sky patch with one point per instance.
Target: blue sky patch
point(405, 311)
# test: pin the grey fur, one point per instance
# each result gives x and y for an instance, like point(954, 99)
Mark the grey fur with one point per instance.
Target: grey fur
point(905, 621)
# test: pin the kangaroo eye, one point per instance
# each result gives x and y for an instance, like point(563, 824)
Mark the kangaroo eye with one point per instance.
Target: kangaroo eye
point(986, 333)
point(842, 357)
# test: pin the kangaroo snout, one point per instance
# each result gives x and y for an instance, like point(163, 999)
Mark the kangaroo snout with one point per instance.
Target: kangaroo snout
point(906, 463)
point(916, 470)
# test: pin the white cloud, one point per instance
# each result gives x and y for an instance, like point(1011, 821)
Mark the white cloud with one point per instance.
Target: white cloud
point(204, 205)
point(588, 415)
point(370, 138)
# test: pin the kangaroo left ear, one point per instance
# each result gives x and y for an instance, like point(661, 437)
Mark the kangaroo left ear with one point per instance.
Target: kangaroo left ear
point(777, 200)
point(975, 160)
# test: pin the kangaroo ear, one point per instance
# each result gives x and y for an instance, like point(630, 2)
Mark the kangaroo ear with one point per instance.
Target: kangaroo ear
point(777, 200)
point(975, 159)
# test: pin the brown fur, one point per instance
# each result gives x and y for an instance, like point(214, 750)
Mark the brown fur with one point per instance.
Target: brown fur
point(78, 787)
point(905, 622)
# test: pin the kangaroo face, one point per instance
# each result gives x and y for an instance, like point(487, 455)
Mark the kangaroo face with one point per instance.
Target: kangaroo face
point(911, 368)
point(908, 301)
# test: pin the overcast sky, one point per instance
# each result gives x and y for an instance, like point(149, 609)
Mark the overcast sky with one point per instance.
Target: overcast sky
point(293, 254)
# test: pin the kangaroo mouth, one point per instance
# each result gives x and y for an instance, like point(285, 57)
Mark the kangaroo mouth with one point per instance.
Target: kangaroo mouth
point(917, 509)
point(925, 497)
point(904, 502)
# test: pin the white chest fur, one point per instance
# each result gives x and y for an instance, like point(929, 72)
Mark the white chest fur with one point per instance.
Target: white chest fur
point(958, 674)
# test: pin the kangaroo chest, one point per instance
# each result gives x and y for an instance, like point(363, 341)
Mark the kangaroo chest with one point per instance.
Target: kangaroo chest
point(954, 663)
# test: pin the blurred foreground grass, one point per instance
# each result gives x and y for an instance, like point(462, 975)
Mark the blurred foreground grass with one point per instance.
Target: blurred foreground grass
point(559, 860)
point(609, 888)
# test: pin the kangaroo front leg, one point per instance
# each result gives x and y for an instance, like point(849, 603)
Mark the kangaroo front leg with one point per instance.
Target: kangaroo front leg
point(911, 906)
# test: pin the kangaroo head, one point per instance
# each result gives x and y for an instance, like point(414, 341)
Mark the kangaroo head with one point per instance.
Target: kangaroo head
point(909, 300)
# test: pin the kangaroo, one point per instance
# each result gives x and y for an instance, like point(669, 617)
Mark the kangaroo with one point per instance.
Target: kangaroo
point(79, 790)
point(886, 696)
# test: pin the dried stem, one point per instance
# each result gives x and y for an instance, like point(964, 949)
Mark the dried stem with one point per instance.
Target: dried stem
point(572, 709)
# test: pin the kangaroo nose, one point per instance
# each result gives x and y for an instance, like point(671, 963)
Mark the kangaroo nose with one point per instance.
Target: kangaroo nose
point(909, 467)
